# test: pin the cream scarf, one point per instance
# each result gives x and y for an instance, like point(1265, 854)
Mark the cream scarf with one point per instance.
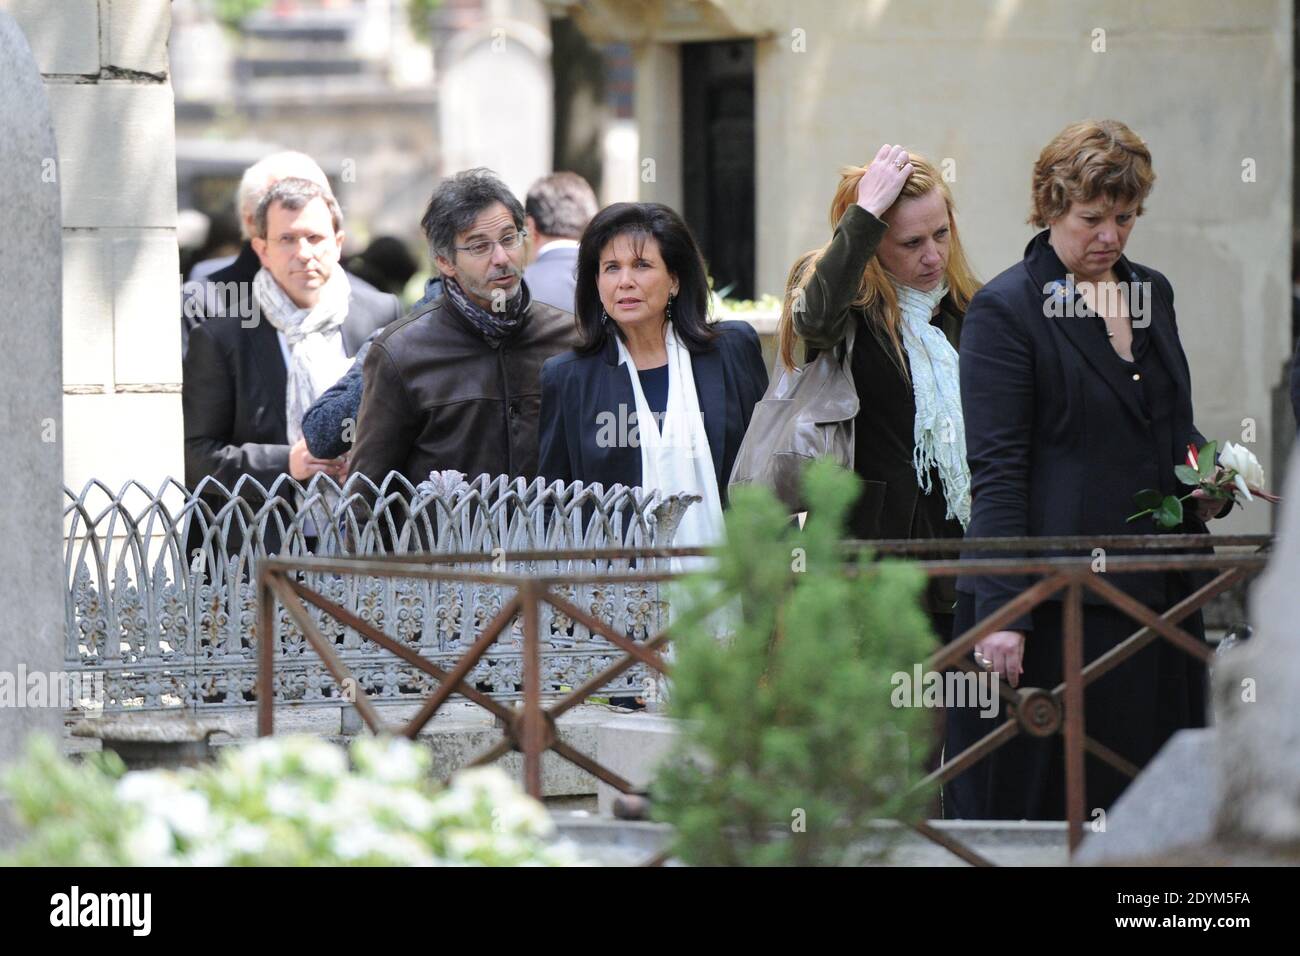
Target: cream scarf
point(939, 430)
point(317, 358)
point(675, 456)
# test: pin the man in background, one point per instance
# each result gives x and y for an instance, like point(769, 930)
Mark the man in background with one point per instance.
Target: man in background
point(557, 210)
point(248, 384)
point(228, 289)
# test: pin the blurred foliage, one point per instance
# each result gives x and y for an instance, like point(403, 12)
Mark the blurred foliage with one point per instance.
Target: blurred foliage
point(791, 745)
point(232, 12)
point(421, 13)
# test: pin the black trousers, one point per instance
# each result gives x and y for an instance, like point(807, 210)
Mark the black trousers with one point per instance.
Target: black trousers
point(1132, 710)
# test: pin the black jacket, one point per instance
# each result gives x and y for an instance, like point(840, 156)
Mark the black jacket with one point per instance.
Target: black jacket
point(892, 504)
point(581, 394)
point(1057, 435)
point(233, 396)
point(438, 396)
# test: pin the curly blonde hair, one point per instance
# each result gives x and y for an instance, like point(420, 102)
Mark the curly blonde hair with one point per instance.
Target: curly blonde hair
point(1086, 160)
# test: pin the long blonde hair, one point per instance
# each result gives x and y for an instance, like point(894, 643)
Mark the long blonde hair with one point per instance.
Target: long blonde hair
point(875, 290)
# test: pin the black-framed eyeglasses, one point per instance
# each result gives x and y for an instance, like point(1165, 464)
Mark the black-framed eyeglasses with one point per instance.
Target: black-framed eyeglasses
point(477, 250)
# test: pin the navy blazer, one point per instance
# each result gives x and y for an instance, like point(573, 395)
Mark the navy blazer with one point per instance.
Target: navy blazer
point(582, 393)
point(1057, 437)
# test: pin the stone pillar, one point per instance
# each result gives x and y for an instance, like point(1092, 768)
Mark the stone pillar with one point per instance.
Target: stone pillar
point(104, 64)
point(495, 104)
point(1255, 691)
point(658, 107)
point(31, 267)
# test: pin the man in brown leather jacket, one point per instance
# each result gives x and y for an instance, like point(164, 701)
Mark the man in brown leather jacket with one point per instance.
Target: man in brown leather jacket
point(455, 384)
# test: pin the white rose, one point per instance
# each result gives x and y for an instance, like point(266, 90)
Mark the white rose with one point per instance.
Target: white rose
point(1243, 461)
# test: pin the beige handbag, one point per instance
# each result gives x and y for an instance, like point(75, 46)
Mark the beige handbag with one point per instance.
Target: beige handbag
point(807, 413)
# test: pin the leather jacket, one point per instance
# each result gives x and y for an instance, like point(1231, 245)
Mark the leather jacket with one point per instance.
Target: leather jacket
point(438, 395)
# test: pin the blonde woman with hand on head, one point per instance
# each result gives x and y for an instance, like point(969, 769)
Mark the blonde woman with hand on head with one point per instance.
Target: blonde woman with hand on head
point(894, 273)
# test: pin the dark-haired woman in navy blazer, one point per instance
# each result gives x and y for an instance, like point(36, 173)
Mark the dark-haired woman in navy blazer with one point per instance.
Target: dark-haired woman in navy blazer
point(641, 300)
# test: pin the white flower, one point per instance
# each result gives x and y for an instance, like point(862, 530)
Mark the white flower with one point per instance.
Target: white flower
point(165, 797)
point(412, 808)
point(150, 843)
point(361, 839)
point(246, 838)
point(208, 855)
point(390, 759)
point(523, 815)
point(1243, 461)
point(295, 799)
point(321, 758)
point(286, 800)
point(490, 782)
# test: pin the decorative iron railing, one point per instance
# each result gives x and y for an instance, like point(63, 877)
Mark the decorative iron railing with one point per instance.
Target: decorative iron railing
point(161, 586)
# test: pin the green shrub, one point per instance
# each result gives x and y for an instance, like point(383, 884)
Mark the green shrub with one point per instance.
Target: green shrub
point(791, 746)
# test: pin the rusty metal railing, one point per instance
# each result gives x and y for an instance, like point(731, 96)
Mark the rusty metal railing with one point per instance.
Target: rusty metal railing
point(532, 730)
point(1041, 712)
point(1044, 712)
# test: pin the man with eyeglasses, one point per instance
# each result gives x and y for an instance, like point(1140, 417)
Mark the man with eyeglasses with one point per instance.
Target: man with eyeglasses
point(455, 384)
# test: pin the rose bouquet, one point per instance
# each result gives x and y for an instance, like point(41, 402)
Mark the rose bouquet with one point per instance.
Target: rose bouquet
point(1236, 472)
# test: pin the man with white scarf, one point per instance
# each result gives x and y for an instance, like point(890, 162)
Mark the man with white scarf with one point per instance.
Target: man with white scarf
point(247, 383)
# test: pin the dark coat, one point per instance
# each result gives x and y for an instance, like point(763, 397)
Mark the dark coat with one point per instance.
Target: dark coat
point(1057, 437)
point(1060, 434)
point(892, 504)
point(233, 396)
point(438, 396)
point(581, 394)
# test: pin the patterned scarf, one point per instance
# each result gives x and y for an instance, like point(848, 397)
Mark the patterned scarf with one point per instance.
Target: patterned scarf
point(316, 355)
point(496, 327)
point(939, 429)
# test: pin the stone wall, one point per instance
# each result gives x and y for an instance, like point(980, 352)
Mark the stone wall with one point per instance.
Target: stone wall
point(105, 70)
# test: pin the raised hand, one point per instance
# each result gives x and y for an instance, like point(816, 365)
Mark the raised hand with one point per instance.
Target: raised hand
point(884, 179)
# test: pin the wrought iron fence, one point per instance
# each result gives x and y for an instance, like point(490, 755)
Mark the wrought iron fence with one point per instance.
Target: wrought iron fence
point(536, 591)
point(161, 586)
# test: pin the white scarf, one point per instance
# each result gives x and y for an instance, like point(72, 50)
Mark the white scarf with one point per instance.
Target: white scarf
point(675, 456)
point(317, 358)
point(938, 430)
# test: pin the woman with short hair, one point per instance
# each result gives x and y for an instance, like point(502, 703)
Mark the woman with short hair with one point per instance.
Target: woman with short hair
point(1076, 395)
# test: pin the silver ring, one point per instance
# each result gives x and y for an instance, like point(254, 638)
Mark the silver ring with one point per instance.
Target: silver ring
point(899, 165)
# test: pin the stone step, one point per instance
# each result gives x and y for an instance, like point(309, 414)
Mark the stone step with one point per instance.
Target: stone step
point(458, 733)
